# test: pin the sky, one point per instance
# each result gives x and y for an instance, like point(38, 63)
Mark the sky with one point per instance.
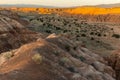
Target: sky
point(65, 3)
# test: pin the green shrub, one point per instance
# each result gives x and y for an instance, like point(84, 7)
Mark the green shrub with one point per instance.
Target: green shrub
point(78, 36)
point(48, 31)
point(112, 29)
point(116, 35)
point(71, 69)
point(99, 35)
point(92, 38)
point(37, 58)
point(56, 53)
point(67, 47)
point(63, 61)
point(8, 55)
point(98, 41)
point(75, 47)
point(83, 35)
point(105, 35)
point(92, 33)
point(82, 58)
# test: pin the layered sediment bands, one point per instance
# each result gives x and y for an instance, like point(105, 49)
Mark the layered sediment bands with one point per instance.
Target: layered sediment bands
point(13, 15)
point(108, 18)
point(13, 34)
point(55, 58)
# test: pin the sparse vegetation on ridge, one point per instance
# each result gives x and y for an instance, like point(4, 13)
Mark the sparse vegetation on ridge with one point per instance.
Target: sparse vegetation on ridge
point(37, 58)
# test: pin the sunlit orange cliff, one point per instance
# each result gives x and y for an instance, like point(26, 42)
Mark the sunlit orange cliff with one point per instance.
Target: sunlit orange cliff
point(77, 10)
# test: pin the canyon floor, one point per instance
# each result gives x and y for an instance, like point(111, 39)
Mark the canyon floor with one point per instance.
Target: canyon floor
point(54, 46)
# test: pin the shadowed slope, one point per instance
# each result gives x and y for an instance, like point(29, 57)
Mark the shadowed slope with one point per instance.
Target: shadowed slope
point(13, 34)
point(114, 61)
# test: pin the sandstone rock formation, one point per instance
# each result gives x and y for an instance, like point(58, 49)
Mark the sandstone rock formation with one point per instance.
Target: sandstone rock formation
point(55, 58)
point(101, 18)
point(33, 56)
point(13, 34)
point(13, 15)
point(114, 61)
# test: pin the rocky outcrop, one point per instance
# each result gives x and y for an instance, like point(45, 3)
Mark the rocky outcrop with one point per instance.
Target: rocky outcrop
point(13, 34)
point(114, 61)
point(55, 58)
point(13, 15)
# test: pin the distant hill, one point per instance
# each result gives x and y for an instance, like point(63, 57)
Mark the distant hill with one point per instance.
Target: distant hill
point(43, 6)
point(25, 5)
point(109, 5)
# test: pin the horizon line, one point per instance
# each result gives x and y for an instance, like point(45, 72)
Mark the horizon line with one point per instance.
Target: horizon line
point(37, 5)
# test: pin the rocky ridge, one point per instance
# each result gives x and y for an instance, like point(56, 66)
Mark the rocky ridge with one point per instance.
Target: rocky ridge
point(114, 61)
point(55, 58)
point(13, 34)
